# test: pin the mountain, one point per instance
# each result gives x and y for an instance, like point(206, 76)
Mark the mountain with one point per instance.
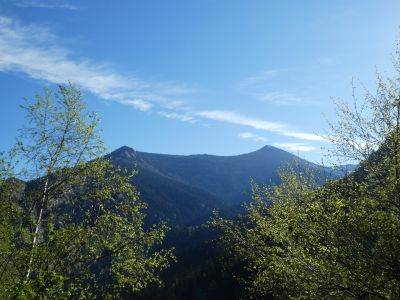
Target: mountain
point(173, 201)
point(184, 189)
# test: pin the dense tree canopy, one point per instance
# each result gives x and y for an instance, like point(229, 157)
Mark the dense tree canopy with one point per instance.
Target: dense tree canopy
point(74, 228)
point(341, 240)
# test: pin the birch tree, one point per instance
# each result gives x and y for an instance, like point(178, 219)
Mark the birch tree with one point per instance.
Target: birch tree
point(82, 227)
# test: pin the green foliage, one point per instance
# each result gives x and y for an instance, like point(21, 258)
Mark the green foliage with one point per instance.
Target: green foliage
point(76, 229)
point(338, 241)
point(10, 218)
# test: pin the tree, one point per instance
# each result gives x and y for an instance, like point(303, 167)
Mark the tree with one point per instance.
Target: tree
point(341, 240)
point(80, 230)
point(10, 218)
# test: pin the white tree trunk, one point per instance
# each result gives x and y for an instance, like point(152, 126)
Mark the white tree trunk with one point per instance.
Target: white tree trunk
point(38, 223)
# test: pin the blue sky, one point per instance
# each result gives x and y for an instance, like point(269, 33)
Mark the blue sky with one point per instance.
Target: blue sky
point(199, 76)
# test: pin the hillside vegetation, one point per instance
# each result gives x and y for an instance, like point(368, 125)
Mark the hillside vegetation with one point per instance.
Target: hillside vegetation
point(259, 225)
point(337, 241)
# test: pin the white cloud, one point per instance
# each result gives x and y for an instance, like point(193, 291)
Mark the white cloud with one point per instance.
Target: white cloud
point(138, 104)
point(262, 86)
point(235, 118)
point(296, 147)
point(178, 116)
point(33, 50)
point(280, 98)
point(252, 136)
point(304, 136)
point(274, 127)
point(259, 78)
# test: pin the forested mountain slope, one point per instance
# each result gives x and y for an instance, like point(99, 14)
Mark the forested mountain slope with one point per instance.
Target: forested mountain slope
point(225, 177)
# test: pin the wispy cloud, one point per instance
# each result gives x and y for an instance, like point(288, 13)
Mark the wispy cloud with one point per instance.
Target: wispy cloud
point(280, 98)
point(178, 116)
point(296, 147)
point(274, 127)
point(252, 136)
point(48, 4)
point(259, 78)
point(33, 50)
point(238, 119)
point(37, 52)
point(262, 86)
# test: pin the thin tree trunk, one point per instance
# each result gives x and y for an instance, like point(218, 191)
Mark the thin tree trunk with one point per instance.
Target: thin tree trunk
point(38, 223)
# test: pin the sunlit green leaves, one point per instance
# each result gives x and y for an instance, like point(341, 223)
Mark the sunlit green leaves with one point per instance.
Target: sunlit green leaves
point(76, 231)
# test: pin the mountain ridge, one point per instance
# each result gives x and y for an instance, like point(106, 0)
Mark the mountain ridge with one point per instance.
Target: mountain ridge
point(131, 151)
point(200, 182)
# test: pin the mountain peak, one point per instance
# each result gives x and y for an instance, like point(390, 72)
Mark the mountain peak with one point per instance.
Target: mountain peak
point(124, 152)
point(267, 148)
point(272, 152)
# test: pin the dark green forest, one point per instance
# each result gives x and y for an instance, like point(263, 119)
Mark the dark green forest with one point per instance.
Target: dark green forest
point(78, 223)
